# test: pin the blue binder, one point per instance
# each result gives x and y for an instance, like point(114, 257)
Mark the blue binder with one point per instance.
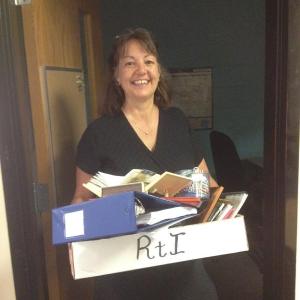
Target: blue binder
point(104, 217)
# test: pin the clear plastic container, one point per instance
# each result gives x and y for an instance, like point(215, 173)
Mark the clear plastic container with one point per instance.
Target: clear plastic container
point(200, 184)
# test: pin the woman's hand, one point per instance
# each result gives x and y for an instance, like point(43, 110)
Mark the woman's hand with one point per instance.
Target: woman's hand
point(81, 193)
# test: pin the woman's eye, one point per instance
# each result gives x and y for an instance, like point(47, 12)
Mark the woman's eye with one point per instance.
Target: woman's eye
point(149, 62)
point(129, 63)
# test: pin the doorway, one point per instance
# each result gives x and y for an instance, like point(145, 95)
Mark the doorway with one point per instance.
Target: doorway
point(31, 284)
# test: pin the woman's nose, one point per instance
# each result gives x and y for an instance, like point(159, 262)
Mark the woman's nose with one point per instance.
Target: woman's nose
point(141, 67)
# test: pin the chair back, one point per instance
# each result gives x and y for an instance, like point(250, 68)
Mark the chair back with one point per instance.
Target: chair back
point(228, 166)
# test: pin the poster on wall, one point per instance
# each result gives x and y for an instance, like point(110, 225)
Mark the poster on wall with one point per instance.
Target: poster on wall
point(192, 92)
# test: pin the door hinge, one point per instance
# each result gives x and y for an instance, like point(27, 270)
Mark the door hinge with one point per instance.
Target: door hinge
point(41, 196)
point(21, 2)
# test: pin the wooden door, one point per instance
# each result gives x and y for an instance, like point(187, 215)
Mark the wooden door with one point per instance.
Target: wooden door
point(54, 40)
point(64, 103)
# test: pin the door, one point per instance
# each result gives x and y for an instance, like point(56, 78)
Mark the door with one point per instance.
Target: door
point(65, 115)
point(63, 45)
point(17, 155)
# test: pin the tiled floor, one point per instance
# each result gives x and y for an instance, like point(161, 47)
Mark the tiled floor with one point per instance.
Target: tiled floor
point(236, 276)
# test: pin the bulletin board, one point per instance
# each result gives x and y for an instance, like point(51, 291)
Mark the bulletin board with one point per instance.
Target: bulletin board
point(192, 92)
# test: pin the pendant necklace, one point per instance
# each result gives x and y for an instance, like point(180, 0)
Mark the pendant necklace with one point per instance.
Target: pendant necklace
point(143, 131)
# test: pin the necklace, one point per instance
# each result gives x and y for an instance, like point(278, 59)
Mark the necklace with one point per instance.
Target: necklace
point(143, 131)
point(150, 129)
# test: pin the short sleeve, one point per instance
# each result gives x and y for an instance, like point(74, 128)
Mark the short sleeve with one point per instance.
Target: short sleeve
point(195, 140)
point(181, 126)
point(194, 137)
point(197, 146)
point(86, 156)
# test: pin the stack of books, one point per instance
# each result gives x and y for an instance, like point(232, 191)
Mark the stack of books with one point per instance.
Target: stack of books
point(224, 205)
point(167, 184)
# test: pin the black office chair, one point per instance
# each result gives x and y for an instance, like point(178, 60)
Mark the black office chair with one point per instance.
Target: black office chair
point(231, 174)
point(228, 166)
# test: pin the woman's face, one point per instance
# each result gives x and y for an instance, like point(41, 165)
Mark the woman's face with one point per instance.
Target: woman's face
point(137, 72)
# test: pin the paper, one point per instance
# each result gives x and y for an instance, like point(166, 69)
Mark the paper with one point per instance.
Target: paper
point(166, 184)
point(165, 214)
point(74, 224)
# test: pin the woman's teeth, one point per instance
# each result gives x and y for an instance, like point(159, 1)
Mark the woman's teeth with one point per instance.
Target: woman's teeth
point(140, 82)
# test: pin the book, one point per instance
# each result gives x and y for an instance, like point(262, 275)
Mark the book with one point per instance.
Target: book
point(228, 214)
point(227, 208)
point(135, 186)
point(217, 209)
point(109, 190)
point(191, 200)
point(166, 184)
point(211, 203)
point(236, 199)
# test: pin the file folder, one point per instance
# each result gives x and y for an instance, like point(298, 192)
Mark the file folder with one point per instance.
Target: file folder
point(104, 217)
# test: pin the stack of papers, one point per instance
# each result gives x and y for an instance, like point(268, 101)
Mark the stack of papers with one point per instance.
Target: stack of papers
point(154, 217)
point(166, 184)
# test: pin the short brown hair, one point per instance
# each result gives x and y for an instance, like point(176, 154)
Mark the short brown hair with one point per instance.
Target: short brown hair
point(115, 97)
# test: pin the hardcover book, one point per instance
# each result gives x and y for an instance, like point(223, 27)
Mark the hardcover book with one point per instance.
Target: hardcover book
point(227, 206)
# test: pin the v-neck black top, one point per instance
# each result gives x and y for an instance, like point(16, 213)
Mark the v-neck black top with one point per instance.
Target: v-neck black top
point(111, 145)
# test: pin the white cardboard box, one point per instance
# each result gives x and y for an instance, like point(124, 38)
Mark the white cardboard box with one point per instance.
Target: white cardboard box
point(159, 247)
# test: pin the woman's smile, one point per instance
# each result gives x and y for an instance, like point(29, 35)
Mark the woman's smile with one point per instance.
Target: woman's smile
point(141, 82)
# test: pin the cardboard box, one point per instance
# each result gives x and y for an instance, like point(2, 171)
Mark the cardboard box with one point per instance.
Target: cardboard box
point(108, 216)
point(162, 246)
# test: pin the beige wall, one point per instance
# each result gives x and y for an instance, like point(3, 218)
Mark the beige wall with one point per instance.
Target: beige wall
point(7, 289)
point(297, 297)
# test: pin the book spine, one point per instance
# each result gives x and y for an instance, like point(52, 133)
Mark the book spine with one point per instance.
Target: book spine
point(216, 212)
point(224, 212)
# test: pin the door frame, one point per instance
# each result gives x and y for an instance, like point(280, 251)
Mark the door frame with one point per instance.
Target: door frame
point(275, 154)
point(18, 154)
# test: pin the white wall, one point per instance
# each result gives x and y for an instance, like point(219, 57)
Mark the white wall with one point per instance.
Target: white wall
point(7, 289)
point(297, 296)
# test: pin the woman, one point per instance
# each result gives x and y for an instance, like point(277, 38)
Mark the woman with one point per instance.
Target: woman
point(138, 129)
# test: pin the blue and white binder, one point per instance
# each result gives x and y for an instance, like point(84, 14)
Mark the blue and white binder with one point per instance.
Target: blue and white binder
point(105, 217)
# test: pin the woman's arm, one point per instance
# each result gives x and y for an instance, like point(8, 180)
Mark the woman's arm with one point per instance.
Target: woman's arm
point(203, 166)
point(81, 193)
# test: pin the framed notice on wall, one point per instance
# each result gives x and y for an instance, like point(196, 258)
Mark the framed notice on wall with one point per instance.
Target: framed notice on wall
point(192, 92)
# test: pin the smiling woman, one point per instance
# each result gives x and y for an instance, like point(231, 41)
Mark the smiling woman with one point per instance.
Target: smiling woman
point(138, 75)
point(131, 43)
point(138, 130)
